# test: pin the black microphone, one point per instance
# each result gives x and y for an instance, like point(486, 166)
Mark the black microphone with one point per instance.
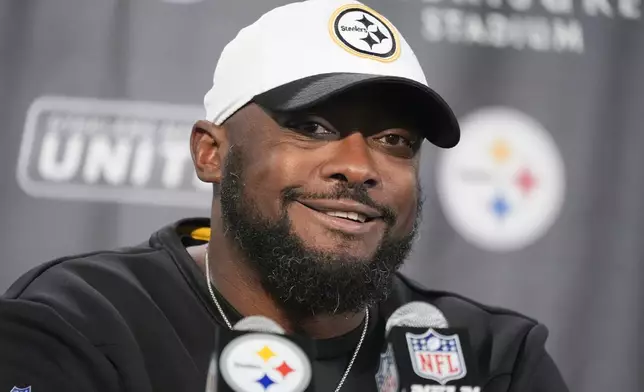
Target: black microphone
point(423, 354)
point(257, 356)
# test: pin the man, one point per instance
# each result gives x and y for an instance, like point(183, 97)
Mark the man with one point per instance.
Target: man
point(312, 134)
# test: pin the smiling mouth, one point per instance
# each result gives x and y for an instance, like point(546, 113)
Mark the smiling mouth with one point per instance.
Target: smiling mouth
point(352, 216)
point(346, 210)
point(345, 216)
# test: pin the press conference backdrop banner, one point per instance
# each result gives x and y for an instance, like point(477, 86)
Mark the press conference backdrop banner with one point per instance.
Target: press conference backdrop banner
point(539, 209)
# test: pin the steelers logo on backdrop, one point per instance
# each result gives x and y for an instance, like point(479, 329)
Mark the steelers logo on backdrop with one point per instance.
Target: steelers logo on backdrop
point(365, 33)
point(502, 187)
point(260, 362)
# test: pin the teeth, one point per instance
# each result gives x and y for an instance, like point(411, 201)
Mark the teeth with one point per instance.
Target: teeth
point(348, 215)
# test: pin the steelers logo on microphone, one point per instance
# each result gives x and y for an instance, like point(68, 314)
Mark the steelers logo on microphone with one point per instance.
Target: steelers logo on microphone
point(363, 32)
point(260, 362)
point(503, 186)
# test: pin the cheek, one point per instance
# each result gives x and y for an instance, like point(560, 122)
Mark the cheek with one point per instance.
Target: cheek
point(268, 173)
point(402, 192)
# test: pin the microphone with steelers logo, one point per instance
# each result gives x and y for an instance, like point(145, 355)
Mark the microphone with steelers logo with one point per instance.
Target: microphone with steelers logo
point(256, 351)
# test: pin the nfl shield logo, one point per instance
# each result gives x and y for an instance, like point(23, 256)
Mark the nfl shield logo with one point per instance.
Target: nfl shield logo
point(387, 376)
point(16, 389)
point(436, 357)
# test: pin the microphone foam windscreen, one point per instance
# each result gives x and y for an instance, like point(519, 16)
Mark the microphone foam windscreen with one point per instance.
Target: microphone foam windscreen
point(258, 324)
point(417, 314)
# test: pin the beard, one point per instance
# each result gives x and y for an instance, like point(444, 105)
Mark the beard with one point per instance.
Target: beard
point(306, 280)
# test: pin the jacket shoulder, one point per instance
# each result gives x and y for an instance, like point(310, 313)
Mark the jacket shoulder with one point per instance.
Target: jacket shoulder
point(88, 290)
point(459, 307)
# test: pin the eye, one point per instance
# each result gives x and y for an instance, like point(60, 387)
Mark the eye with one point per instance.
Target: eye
point(310, 128)
point(396, 140)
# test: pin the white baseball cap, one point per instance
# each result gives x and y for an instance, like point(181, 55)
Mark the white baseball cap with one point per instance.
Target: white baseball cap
point(300, 54)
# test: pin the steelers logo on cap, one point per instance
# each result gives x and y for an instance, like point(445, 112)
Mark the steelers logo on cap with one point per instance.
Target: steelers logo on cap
point(363, 32)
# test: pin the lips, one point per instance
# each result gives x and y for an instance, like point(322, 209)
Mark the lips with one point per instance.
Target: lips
point(346, 209)
point(354, 216)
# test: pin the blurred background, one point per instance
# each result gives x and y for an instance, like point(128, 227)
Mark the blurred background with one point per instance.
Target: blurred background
point(539, 209)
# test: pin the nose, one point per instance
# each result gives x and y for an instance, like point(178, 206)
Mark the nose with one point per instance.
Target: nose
point(350, 161)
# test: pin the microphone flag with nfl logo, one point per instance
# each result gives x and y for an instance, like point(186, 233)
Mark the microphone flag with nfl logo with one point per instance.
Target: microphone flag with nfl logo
point(417, 358)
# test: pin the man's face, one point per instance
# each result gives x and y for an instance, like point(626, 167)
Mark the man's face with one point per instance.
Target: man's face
point(324, 202)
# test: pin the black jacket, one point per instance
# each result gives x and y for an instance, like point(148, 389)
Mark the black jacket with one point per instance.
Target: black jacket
point(140, 319)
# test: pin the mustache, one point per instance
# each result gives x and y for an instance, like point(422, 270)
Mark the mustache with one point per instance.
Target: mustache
point(358, 193)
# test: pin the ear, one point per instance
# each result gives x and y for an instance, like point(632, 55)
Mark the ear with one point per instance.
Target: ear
point(208, 143)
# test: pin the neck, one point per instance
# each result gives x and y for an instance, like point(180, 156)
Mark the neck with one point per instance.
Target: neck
point(241, 286)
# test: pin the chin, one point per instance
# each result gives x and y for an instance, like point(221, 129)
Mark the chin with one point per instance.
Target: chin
point(345, 251)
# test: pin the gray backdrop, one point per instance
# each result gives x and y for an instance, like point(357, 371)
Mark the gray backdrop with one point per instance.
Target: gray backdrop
point(540, 210)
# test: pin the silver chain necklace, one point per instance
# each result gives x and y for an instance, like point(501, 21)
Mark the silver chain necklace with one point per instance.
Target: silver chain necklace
point(355, 353)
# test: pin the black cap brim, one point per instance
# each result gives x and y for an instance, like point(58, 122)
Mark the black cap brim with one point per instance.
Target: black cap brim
point(441, 128)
